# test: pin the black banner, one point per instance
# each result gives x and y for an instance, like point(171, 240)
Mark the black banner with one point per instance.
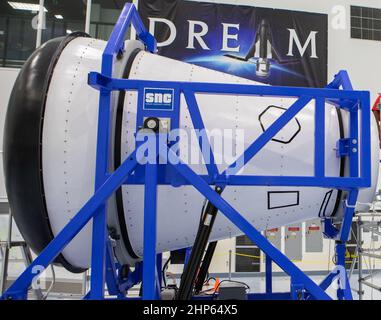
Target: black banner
point(277, 47)
point(197, 310)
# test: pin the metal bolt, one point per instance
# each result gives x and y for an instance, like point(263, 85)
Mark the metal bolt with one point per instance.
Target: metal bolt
point(354, 141)
point(354, 150)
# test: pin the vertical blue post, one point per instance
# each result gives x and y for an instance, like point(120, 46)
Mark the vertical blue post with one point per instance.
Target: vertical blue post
point(349, 211)
point(188, 252)
point(98, 257)
point(99, 236)
point(365, 153)
point(319, 137)
point(111, 273)
point(269, 279)
point(344, 290)
point(354, 145)
point(297, 290)
point(159, 266)
point(149, 255)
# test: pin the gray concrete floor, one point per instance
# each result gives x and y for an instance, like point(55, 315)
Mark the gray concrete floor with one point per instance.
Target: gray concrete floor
point(257, 285)
point(282, 284)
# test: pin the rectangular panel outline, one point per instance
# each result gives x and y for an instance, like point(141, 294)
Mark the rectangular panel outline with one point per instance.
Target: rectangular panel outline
point(286, 206)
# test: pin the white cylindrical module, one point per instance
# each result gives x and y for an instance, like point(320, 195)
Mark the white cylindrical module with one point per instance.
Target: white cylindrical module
point(67, 128)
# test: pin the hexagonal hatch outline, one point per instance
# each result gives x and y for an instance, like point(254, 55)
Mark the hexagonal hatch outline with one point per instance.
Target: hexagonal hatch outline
point(277, 140)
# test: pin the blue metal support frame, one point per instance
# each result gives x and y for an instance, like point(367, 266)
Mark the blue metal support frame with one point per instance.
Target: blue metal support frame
point(269, 282)
point(344, 291)
point(105, 269)
point(187, 255)
point(150, 276)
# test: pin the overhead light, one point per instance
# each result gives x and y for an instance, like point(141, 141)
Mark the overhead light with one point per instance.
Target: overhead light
point(58, 16)
point(25, 6)
point(68, 31)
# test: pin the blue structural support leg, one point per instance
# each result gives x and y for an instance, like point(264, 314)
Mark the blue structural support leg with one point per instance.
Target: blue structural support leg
point(150, 277)
point(114, 46)
point(344, 290)
point(349, 211)
point(159, 266)
point(112, 280)
point(328, 280)
point(269, 279)
point(98, 256)
point(297, 289)
point(320, 138)
point(188, 252)
point(100, 234)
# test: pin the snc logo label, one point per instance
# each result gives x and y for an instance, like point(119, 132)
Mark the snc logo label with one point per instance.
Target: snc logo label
point(158, 99)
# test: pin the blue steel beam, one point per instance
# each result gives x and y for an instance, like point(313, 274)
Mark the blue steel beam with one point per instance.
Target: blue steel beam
point(329, 230)
point(115, 44)
point(344, 290)
point(365, 138)
point(341, 79)
point(320, 137)
point(203, 140)
point(98, 80)
point(112, 280)
point(99, 235)
point(269, 279)
point(150, 228)
point(134, 278)
point(290, 181)
point(354, 143)
point(327, 280)
point(98, 254)
point(349, 211)
point(297, 290)
point(159, 267)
